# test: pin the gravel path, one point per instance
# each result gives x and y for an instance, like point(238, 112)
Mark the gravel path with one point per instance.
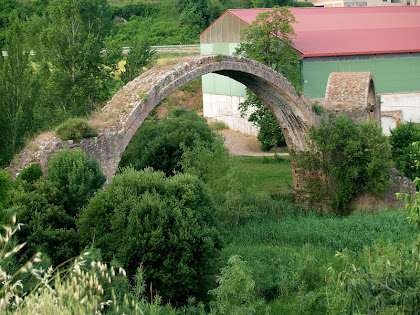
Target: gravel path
point(243, 144)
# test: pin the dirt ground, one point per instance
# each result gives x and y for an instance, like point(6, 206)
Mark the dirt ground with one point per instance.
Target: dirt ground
point(243, 144)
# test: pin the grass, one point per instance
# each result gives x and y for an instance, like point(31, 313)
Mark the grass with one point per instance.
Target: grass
point(266, 173)
point(289, 251)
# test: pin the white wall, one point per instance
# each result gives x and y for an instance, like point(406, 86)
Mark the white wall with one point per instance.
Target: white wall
point(225, 108)
point(408, 103)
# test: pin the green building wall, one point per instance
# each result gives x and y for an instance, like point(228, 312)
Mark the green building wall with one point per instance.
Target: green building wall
point(392, 74)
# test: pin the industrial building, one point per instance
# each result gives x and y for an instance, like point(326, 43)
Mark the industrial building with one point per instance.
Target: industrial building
point(382, 40)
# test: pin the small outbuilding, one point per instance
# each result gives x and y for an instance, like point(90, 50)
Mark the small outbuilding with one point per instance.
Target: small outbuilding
point(381, 40)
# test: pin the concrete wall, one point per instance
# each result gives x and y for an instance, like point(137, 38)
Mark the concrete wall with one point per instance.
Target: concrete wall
point(399, 108)
point(225, 108)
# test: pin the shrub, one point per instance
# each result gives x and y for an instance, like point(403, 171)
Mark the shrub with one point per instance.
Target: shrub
point(75, 129)
point(48, 227)
point(344, 160)
point(5, 186)
point(166, 225)
point(31, 173)
point(76, 177)
point(160, 144)
point(403, 153)
point(318, 109)
point(236, 291)
point(217, 125)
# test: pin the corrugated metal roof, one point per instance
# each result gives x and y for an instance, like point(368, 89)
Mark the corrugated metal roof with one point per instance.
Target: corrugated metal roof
point(350, 31)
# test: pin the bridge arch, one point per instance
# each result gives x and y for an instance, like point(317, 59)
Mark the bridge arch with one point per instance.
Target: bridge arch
point(125, 112)
point(143, 94)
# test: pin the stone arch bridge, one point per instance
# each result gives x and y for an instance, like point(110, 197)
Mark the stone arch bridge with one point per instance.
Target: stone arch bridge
point(125, 112)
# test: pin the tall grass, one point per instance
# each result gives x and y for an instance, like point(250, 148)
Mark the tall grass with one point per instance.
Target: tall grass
point(289, 251)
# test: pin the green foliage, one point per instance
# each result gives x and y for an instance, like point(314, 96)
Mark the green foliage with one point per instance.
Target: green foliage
point(288, 251)
point(303, 4)
point(70, 38)
point(48, 226)
point(277, 52)
point(139, 57)
point(5, 187)
point(160, 25)
point(18, 92)
point(270, 133)
point(345, 159)
point(390, 282)
point(207, 160)
point(404, 153)
point(316, 107)
point(6, 7)
point(165, 224)
point(197, 14)
point(388, 285)
point(31, 173)
point(76, 178)
point(75, 129)
point(160, 144)
point(236, 291)
point(135, 9)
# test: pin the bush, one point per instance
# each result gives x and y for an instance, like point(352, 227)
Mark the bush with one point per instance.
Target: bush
point(31, 173)
point(344, 160)
point(236, 291)
point(403, 153)
point(5, 187)
point(161, 144)
point(48, 227)
point(76, 177)
point(75, 129)
point(166, 225)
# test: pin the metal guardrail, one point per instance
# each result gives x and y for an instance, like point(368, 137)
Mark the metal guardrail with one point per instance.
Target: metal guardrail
point(161, 48)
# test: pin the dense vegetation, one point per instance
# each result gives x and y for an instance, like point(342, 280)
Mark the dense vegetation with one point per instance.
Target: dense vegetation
point(404, 152)
point(345, 159)
point(168, 235)
point(183, 228)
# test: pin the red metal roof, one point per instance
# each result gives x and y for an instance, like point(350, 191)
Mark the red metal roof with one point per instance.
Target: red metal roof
point(350, 31)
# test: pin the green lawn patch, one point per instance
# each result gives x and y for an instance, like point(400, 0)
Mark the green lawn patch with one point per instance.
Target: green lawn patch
point(267, 173)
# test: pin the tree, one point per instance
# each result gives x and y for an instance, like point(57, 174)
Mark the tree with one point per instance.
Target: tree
point(76, 178)
point(70, 38)
point(48, 227)
point(269, 40)
point(6, 7)
point(139, 57)
point(236, 291)
point(160, 144)
point(166, 225)
point(344, 160)
point(17, 90)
